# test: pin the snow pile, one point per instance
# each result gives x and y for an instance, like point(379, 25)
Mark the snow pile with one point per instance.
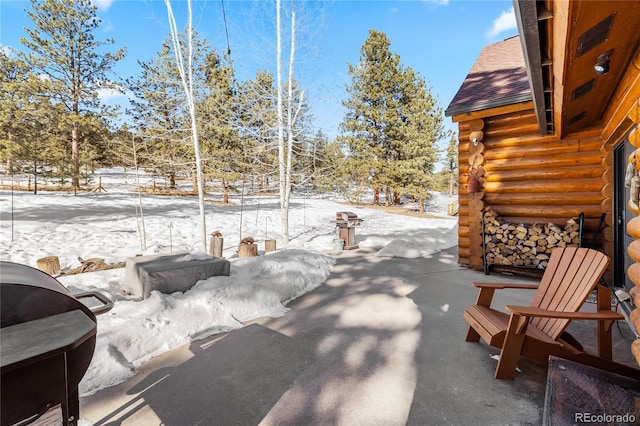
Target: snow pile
point(135, 331)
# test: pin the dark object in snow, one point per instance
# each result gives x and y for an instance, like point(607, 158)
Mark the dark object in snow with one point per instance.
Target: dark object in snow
point(46, 344)
point(346, 223)
point(168, 273)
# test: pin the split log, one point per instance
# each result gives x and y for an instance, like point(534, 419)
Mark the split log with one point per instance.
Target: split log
point(49, 264)
point(216, 245)
point(247, 247)
point(247, 250)
point(93, 264)
point(269, 246)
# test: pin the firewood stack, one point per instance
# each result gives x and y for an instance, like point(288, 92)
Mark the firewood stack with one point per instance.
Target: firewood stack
point(525, 245)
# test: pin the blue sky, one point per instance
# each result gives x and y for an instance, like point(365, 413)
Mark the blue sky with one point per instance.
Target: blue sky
point(438, 38)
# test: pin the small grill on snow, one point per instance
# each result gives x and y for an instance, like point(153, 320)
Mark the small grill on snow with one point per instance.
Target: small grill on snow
point(346, 223)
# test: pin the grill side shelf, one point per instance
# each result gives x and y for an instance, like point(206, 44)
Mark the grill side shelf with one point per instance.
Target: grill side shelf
point(29, 342)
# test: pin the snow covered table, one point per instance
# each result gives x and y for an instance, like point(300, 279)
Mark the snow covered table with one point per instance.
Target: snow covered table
point(169, 273)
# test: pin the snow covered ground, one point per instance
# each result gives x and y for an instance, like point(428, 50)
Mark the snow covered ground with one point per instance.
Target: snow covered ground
point(109, 225)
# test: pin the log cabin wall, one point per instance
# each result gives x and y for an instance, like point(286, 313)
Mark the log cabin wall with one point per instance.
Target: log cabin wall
point(528, 178)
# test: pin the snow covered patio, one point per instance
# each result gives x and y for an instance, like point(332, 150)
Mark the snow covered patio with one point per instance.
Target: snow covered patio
point(381, 342)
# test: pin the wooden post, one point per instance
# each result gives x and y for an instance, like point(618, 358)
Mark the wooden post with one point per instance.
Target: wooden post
point(50, 265)
point(247, 250)
point(605, 341)
point(100, 187)
point(215, 246)
point(269, 246)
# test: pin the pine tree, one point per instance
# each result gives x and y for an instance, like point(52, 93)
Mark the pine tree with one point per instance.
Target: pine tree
point(322, 162)
point(257, 126)
point(373, 120)
point(13, 75)
point(30, 122)
point(451, 163)
point(416, 150)
point(62, 47)
point(392, 125)
point(158, 117)
point(222, 148)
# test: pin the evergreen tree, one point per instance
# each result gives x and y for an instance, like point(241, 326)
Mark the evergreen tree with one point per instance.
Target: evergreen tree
point(415, 148)
point(257, 126)
point(451, 164)
point(322, 162)
point(62, 47)
point(221, 144)
point(372, 121)
point(30, 122)
point(159, 120)
point(13, 75)
point(392, 124)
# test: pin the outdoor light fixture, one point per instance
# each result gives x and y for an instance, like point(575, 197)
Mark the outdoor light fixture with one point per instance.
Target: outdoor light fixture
point(602, 63)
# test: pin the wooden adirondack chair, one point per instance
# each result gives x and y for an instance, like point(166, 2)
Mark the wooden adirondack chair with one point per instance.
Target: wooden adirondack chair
point(538, 331)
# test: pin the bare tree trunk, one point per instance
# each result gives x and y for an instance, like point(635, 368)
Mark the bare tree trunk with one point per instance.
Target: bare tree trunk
point(75, 156)
point(376, 196)
point(187, 83)
point(281, 160)
point(141, 228)
point(225, 191)
point(285, 153)
point(35, 176)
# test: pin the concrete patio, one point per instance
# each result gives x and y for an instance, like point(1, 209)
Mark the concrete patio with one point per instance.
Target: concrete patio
point(380, 343)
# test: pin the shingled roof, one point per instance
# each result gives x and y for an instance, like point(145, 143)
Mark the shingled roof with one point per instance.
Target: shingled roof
point(497, 78)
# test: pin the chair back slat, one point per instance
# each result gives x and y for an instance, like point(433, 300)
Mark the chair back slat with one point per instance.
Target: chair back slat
point(571, 275)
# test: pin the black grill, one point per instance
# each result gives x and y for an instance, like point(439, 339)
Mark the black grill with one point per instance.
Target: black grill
point(46, 344)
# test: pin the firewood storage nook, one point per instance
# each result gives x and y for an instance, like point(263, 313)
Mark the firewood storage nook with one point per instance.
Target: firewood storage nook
point(525, 246)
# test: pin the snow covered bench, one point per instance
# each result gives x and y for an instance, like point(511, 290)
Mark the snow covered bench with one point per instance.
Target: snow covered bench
point(168, 273)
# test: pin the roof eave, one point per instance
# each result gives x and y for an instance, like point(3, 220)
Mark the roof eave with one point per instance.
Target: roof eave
point(527, 18)
point(488, 104)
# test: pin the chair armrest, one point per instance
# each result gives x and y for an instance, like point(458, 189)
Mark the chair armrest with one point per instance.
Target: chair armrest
point(530, 311)
point(501, 286)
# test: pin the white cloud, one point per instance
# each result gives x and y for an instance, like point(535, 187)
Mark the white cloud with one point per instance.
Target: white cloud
point(102, 4)
point(7, 50)
point(108, 93)
point(506, 21)
point(438, 2)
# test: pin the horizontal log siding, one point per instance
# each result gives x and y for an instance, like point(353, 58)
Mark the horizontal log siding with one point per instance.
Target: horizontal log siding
point(530, 178)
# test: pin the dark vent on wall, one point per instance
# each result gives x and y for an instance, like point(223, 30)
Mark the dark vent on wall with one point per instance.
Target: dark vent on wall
point(583, 89)
point(577, 117)
point(594, 35)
